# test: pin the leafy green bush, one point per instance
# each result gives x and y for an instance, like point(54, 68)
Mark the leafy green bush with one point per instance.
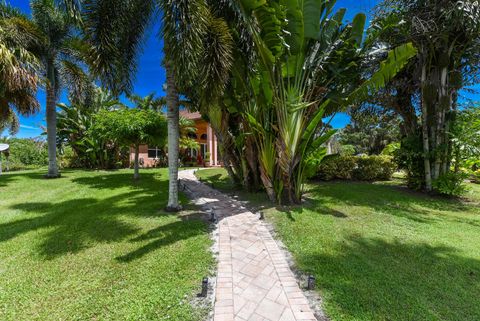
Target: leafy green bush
point(391, 149)
point(328, 167)
point(475, 177)
point(347, 150)
point(409, 157)
point(365, 168)
point(451, 184)
point(68, 159)
point(371, 168)
point(26, 153)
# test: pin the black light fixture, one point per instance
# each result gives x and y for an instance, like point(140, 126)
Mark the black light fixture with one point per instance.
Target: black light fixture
point(213, 219)
point(204, 287)
point(311, 282)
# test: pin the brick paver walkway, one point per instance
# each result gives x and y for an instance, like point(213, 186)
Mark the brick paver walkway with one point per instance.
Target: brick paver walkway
point(254, 281)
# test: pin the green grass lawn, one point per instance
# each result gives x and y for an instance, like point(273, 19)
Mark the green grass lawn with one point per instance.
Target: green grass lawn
point(381, 252)
point(94, 245)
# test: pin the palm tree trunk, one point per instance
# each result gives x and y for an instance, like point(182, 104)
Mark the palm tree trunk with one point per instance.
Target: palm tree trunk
point(136, 174)
point(426, 147)
point(441, 108)
point(173, 137)
point(51, 122)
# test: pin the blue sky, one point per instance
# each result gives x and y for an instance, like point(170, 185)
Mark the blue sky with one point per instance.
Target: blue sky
point(151, 75)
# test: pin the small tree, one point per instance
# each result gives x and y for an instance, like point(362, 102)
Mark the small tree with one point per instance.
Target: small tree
point(132, 127)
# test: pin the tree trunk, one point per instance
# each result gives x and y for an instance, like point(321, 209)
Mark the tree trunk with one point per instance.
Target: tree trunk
point(426, 147)
point(51, 122)
point(136, 174)
point(173, 137)
point(267, 183)
point(440, 118)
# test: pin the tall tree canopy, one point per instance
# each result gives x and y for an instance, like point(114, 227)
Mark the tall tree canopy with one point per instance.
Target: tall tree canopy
point(447, 35)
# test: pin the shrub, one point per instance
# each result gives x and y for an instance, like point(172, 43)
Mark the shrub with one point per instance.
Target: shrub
point(68, 159)
point(347, 150)
point(391, 149)
point(336, 167)
point(409, 157)
point(26, 153)
point(475, 177)
point(365, 168)
point(371, 168)
point(451, 184)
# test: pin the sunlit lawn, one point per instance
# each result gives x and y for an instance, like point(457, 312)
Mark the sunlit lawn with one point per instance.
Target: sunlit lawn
point(381, 252)
point(94, 245)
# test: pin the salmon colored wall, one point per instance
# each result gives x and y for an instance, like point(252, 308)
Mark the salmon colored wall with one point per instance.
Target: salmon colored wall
point(202, 128)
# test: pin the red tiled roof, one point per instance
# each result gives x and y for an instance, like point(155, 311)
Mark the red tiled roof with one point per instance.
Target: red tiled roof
point(190, 115)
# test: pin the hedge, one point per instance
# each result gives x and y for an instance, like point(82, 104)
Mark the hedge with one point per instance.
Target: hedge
point(362, 168)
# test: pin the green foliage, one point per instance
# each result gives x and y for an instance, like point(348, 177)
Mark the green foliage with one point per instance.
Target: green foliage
point(391, 149)
point(132, 126)
point(19, 67)
point(68, 158)
point(475, 176)
point(74, 123)
point(337, 167)
point(451, 184)
point(307, 69)
point(363, 168)
point(371, 168)
point(409, 157)
point(466, 137)
point(347, 150)
point(370, 130)
point(313, 161)
point(26, 153)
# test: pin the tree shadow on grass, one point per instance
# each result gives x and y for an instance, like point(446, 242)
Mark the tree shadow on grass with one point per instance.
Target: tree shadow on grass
point(10, 177)
point(372, 279)
point(165, 235)
point(73, 225)
point(148, 181)
point(386, 199)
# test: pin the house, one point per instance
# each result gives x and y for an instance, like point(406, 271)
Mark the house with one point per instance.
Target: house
point(150, 155)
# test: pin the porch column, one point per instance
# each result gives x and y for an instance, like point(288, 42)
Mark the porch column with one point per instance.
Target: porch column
point(210, 141)
point(215, 149)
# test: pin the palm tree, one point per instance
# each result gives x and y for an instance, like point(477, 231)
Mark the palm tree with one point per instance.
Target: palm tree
point(148, 102)
point(60, 54)
point(187, 127)
point(118, 41)
point(19, 67)
point(279, 86)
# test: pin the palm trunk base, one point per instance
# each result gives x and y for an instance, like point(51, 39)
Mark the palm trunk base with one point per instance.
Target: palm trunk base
point(49, 175)
point(173, 209)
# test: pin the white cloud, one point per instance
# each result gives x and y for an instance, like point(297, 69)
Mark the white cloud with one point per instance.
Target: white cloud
point(28, 127)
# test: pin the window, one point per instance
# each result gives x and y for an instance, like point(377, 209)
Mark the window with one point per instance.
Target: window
point(203, 137)
point(154, 152)
point(192, 135)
